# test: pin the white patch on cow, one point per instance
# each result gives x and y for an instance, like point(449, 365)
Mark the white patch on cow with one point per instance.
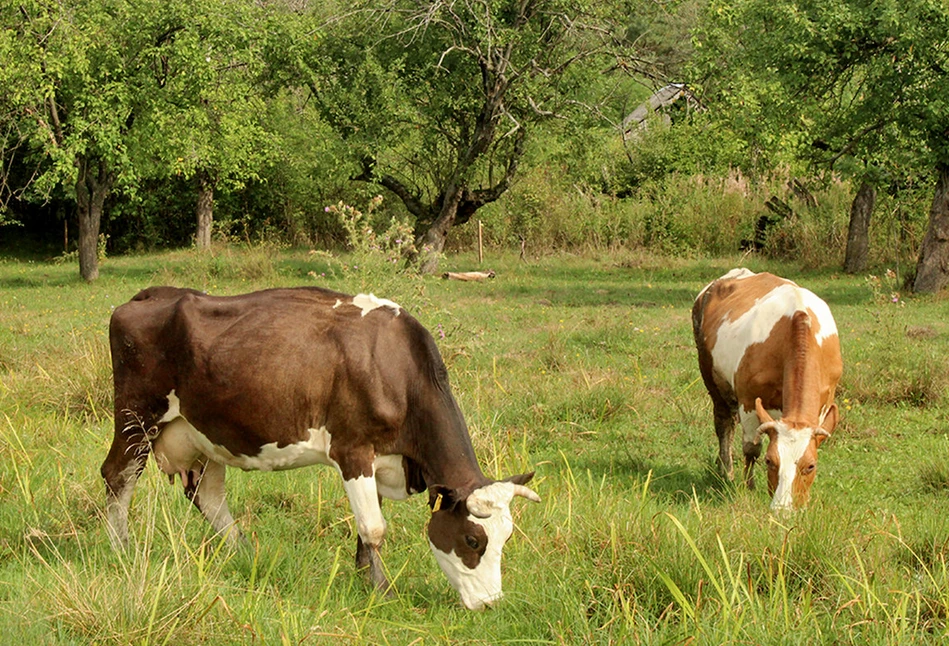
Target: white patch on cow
point(828, 327)
point(337, 303)
point(734, 274)
point(738, 273)
point(364, 501)
point(390, 477)
point(184, 439)
point(791, 446)
point(754, 326)
point(481, 585)
point(174, 408)
point(180, 444)
point(369, 302)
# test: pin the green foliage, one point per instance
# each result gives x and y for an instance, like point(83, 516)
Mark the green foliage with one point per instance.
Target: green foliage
point(825, 80)
point(392, 248)
point(206, 270)
point(379, 259)
point(693, 215)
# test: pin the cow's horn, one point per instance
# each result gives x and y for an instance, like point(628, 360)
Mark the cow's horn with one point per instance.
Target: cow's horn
point(763, 416)
point(766, 427)
point(521, 490)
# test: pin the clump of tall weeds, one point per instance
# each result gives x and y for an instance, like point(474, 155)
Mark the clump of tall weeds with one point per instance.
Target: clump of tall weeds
point(380, 252)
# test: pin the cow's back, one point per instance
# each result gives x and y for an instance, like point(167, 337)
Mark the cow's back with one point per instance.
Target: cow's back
point(742, 323)
point(266, 367)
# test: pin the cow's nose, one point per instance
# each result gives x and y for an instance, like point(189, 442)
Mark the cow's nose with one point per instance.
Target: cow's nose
point(481, 604)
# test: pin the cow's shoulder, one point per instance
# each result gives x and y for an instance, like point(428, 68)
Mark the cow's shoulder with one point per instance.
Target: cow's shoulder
point(147, 311)
point(163, 293)
point(738, 292)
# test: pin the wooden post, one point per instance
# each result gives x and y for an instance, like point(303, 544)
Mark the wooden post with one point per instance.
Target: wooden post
point(480, 244)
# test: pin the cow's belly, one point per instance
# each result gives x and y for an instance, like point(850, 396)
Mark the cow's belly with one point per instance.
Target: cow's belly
point(180, 444)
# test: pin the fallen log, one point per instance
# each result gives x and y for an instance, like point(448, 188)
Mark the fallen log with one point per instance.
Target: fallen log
point(468, 275)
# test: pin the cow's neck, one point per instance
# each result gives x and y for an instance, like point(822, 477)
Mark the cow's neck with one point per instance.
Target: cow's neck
point(444, 450)
point(802, 375)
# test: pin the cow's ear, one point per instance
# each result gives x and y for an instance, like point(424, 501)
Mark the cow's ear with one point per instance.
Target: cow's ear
point(523, 478)
point(440, 497)
point(830, 419)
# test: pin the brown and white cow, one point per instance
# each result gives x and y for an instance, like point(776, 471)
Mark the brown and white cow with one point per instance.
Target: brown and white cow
point(286, 378)
point(769, 351)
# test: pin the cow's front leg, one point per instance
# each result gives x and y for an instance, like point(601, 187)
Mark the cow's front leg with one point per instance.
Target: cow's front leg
point(205, 487)
point(751, 444)
point(370, 526)
point(363, 553)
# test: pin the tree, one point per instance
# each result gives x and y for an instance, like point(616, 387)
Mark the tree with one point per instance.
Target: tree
point(65, 83)
point(844, 81)
point(436, 99)
point(105, 92)
point(205, 124)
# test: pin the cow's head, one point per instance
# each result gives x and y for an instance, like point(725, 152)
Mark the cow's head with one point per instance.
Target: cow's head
point(467, 534)
point(791, 457)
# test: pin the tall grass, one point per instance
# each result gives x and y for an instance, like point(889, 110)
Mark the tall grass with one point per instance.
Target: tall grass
point(581, 369)
point(697, 216)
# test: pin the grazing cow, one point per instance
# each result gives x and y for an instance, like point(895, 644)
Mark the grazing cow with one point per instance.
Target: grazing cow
point(768, 349)
point(286, 378)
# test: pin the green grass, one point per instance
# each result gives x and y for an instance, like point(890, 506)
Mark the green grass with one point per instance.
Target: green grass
point(582, 368)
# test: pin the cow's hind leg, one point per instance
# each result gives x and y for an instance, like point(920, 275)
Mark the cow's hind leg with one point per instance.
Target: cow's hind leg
point(120, 470)
point(725, 430)
point(205, 487)
point(370, 526)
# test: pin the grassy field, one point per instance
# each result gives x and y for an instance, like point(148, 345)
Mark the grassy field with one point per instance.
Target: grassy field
point(582, 368)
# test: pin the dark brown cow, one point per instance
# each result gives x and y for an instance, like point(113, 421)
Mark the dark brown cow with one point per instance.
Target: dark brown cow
point(286, 378)
point(766, 344)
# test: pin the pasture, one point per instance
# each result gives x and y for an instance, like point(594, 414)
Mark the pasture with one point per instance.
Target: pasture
point(582, 368)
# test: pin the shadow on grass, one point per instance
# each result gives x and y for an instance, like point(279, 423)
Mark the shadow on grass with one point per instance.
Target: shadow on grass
point(143, 275)
point(67, 275)
point(683, 485)
point(674, 483)
point(38, 279)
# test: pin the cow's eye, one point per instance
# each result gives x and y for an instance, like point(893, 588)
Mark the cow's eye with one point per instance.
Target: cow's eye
point(808, 469)
point(471, 542)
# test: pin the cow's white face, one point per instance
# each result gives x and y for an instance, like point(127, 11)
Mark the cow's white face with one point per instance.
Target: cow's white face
point(467, 538)
point(791, 460)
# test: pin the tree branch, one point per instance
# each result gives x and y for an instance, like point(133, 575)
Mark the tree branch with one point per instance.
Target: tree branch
point(411, 202)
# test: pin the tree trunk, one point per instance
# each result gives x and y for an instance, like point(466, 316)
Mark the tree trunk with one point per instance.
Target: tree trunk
point(858, 234)
point(932, 270)
point(433, 240)
point(93, 183)
point(202, 238)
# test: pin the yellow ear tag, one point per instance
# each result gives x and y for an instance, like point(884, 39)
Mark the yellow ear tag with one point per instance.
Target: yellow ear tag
point(438, 503)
